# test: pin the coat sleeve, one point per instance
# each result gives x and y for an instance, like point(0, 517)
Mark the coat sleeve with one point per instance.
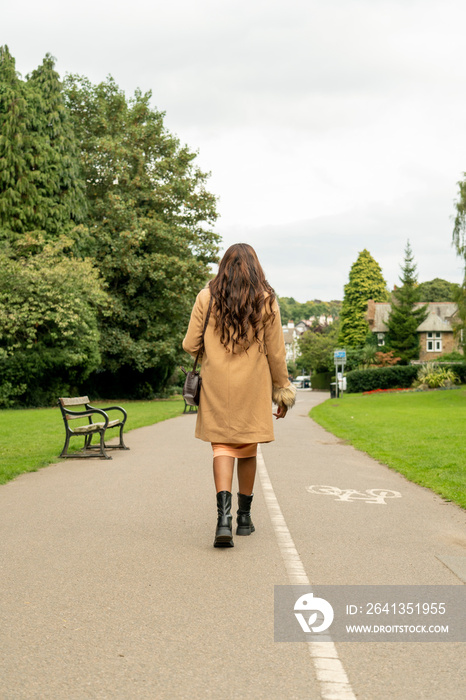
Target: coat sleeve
point(193, 338)
point(283, 392)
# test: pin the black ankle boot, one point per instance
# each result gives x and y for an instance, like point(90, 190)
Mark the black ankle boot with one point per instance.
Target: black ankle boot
point(245, 526)
point(224, 532)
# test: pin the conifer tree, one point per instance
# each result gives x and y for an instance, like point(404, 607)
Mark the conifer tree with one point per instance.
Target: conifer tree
point(459, 241)
point(18, 193)
point(365, 282)
point(41, 190)
point(405, 316)
point(57, 172)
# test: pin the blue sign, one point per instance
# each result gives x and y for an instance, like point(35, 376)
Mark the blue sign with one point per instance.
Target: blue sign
point(340, 355)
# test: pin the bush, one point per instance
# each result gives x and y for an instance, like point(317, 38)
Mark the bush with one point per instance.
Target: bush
point(49, 337)
point(8, 394)
point(386, 359)
point(431, 376)
point(459, 368)
point(397, 377)
point(454, 356)
point(321, 381)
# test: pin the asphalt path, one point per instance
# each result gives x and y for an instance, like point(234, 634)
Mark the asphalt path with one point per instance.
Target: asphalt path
point(110, 586)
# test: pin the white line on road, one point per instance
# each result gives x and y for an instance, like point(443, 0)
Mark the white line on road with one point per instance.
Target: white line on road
point(334, 683)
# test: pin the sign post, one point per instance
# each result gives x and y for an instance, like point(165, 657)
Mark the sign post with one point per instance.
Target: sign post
point(339, 358)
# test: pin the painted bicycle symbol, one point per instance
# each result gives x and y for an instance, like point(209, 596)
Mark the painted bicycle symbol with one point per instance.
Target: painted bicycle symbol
point(369, 496)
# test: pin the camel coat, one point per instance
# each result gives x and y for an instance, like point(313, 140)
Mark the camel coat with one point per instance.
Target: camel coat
point(236, 394)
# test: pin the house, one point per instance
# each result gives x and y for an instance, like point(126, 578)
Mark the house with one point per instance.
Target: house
point(303, 326)
point(291, 335)
point(308, 324)
point(435, 333)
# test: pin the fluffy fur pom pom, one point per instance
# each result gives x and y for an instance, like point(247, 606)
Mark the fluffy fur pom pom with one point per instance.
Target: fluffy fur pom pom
point(284, 396)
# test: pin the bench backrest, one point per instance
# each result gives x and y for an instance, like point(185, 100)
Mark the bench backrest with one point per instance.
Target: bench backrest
point(76, 401)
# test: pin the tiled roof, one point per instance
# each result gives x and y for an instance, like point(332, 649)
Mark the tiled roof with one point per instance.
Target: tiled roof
point(438, 318)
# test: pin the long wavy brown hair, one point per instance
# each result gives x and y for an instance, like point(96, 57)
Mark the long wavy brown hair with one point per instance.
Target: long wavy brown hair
point(241, 294)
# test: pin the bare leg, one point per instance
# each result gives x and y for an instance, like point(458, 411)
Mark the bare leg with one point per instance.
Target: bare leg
point(223, 472)
point(246, 475)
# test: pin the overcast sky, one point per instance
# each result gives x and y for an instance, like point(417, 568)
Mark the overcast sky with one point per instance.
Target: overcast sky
point(329, 126)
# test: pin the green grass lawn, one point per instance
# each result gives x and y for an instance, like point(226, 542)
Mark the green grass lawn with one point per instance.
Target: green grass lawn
point(420, 435)
point(33, 438)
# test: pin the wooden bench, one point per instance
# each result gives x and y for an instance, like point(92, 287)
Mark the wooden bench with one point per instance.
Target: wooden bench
point(189, 409)
point(92, 428)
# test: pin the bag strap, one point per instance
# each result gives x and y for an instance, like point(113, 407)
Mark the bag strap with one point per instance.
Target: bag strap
point(203, 334)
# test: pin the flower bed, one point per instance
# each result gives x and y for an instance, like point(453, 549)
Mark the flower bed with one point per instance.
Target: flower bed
point(386, 391)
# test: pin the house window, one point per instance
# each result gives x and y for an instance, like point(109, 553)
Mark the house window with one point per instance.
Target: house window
point(380, 339)
point(434, 342)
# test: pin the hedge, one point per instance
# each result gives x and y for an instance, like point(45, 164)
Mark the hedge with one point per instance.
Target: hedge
point(397, 377)
point(321, 381)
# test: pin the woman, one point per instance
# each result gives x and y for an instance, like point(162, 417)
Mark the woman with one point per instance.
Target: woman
point(243, 370)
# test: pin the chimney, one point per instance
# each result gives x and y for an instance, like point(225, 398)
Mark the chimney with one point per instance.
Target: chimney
point(370, 314)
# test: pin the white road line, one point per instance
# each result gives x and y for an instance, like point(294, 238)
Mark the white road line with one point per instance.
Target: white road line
point(332, 678)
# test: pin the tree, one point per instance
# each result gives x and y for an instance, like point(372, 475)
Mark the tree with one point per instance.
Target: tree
point(406, 314)
point(41, 191)
point(292, 310)
point(460, 325)
point(365, 282)
point(149, 231)
point(49, 337)
point(459, 241)
point(316, 350)
point(57, 168)
point(437, 290)
point(18, 194)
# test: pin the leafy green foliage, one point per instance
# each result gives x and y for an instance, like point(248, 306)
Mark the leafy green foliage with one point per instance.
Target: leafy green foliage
point(459, 230)
point(459, 369)
point(437, 290)
point(432, 376)
point(41, 191)
point(454, 356)
point(316, 349)
point(49, 338)
point(397, 377)
point(18, 193)
point(150, 219)
point(394, 377)
point(365, 282)
point(361, 357)
point(322, 381)
point(292, 310)
point(459, 241)
point(92, 165)
point(404, 317)
point(57, 171)
point(460, 321)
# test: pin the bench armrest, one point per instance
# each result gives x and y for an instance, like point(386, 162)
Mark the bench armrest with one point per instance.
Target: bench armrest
point(89, 412)
point(112, 408)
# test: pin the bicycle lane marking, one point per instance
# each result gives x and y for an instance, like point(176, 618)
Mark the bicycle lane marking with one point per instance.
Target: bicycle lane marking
point(331, 675)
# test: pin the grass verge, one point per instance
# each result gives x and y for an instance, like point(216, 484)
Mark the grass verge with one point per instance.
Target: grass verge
point(420, 435)
point(32, 438)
